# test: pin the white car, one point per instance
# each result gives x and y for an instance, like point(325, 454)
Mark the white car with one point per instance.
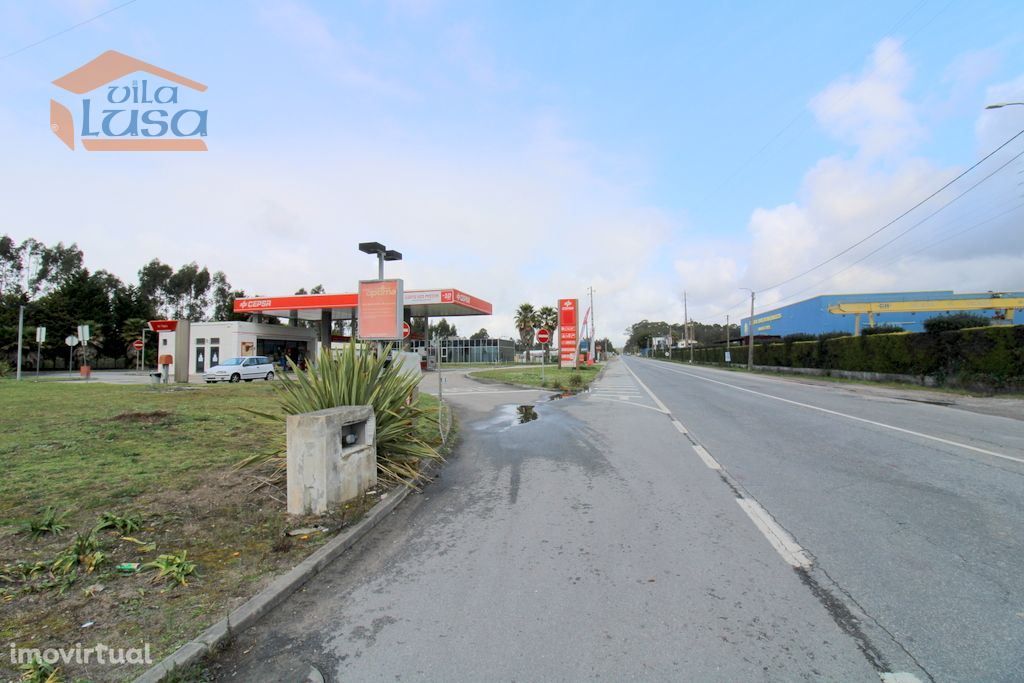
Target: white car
point(243, 367)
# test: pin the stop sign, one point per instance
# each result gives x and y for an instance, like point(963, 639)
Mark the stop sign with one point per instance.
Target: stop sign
point(406, 330)
point(137, 344)
point(543, 336)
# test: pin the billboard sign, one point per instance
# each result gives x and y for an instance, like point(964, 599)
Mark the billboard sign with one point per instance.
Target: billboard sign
point(568, 332)
point(380, 309)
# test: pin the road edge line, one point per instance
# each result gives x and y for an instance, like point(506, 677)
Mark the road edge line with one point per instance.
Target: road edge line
point(911, 432)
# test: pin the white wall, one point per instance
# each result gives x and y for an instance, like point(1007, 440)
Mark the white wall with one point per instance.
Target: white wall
point(231, 336)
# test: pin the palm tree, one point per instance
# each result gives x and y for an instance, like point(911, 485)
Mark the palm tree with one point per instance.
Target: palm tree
point(525, 321)
point(547, 317)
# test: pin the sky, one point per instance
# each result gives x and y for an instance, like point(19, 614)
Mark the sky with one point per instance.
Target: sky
point(525, 151)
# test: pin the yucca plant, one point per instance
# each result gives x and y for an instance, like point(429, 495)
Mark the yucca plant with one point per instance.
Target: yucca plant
point(355, 377)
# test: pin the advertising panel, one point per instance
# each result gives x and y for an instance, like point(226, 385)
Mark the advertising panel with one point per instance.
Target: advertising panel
point(380, 309)
point(568, 332)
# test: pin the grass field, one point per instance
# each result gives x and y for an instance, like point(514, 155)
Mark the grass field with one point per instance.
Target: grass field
point(554, 377)
point(165, 454)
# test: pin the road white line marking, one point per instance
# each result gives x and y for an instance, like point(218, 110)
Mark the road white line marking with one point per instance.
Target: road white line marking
point(650, 393)
point(706, 457)
point(898, 677)
point(628, 403)
point(783, 543)
point(679, 426)
point(854, 417)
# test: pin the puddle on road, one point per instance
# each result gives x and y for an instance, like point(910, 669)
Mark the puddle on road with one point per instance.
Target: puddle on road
point(526, 414)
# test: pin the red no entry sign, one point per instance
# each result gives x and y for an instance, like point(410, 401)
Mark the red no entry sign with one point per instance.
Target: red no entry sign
point(137, 344)
point(543, 336)
point(406, 330)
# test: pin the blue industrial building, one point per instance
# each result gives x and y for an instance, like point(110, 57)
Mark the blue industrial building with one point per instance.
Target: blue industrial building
point(853, 312)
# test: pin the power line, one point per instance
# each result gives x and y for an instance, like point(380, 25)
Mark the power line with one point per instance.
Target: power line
point(905, 213)
point(912, 227)
point(803, 111)
point(69, 28)
point(904, 232)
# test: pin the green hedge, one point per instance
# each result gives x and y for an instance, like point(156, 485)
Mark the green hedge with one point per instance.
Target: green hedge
point(992, 356)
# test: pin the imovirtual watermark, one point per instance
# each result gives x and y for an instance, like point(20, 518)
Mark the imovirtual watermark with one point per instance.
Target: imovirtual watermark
point(97, 654)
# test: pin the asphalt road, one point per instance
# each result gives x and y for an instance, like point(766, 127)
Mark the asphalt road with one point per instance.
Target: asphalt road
point(913, 512)
point(669, 527)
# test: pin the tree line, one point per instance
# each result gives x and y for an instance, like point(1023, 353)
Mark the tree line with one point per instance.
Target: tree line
point(641, 335)
point(59, 293)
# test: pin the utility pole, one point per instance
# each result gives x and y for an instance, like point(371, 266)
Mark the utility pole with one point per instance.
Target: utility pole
point(727, 335)
point(686, 322)
point(590, 290)
point(21, 313)
point(750, 344)
point(693, 342)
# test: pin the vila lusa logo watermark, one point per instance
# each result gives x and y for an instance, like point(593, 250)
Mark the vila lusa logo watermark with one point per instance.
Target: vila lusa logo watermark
point(127, 105)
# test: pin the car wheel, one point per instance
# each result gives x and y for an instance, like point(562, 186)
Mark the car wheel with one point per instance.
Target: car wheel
point(269, 376)
point(236, 378)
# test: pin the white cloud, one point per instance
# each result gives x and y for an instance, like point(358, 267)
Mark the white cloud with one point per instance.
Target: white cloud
point(345, 61)
point(871, 111)
point(841, 200)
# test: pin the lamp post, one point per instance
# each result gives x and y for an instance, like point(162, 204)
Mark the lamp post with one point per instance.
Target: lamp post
point(383, 254)
point(750, 326)
point(1000, 105)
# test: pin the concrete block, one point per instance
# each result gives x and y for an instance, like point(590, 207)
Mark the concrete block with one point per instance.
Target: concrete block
point(332, 458)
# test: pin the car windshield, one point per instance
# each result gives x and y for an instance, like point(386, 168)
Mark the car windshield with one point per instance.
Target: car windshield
point(232, 361)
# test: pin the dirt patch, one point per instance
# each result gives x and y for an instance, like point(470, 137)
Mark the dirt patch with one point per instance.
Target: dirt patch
point(152, 417)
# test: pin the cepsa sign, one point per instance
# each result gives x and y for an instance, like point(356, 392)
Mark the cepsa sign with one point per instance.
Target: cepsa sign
point(380, 309)
point(568, 332)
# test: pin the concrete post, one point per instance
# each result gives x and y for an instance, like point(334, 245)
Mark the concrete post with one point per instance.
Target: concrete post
point(332, 458)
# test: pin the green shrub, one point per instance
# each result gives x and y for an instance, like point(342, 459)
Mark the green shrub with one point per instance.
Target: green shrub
point(836, 334)
point(881, 329)
point(798, 337)
point(49, 522)
point(356, 377)
point(955, 321)
point(576, 380)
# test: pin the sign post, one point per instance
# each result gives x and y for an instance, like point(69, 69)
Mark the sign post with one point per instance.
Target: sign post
point(568, 332)
point(137, 345)
point(40, 338)
point(543, 336)
point(70, 340)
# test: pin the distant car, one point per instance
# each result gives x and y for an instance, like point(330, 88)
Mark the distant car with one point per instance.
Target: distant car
point(243, 367)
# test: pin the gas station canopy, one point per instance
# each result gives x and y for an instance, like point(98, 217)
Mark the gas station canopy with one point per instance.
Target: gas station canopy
point(431, 303)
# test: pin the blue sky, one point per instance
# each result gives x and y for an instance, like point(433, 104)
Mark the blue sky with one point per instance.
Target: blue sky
point(525, 150)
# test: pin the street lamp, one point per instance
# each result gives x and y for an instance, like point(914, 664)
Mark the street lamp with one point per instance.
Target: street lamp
point(750, 325)
point(1000, 105)
point(383, 254)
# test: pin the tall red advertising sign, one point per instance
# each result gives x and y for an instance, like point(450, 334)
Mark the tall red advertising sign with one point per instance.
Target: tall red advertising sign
point(380, 309)
point(568, 332)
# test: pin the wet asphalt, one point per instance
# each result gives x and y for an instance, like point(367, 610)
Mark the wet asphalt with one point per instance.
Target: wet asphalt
point(587, 542)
